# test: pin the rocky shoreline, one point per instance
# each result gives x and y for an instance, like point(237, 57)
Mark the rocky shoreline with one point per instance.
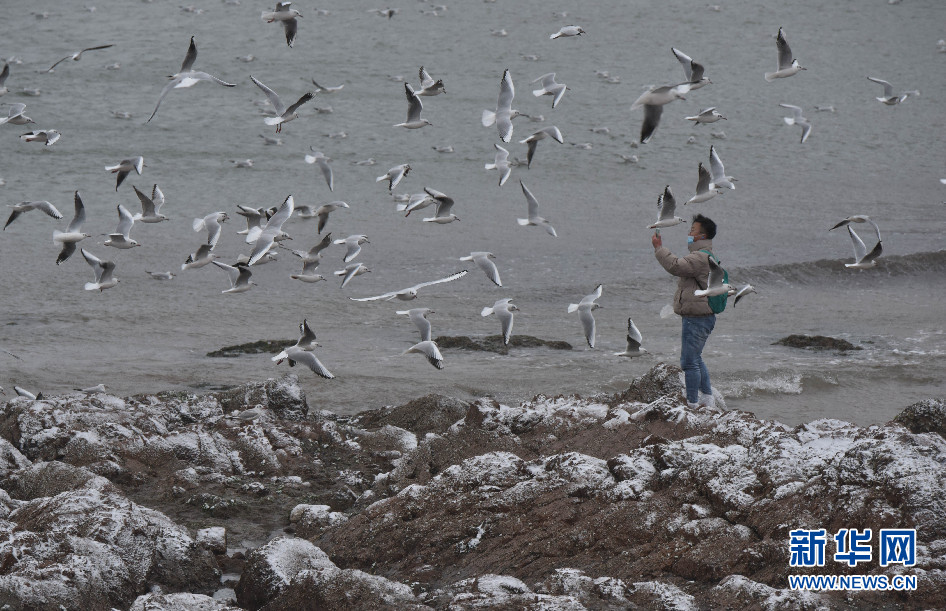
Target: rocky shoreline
point(253, 498)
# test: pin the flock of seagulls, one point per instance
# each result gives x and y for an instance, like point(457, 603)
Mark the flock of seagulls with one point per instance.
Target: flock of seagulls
point(265, 227)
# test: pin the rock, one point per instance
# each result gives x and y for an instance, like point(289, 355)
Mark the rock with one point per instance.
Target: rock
point(269, 569)
point(816, 342)
point(283, 397)
point(333, 588)
point(213, 539)
point(270, 346)
point(10, 458)
point(927, 416)
point(90, 547)
point(180, 602)
point(312, 520)
point(494, 343)
point(428, 414)
point(660, 381)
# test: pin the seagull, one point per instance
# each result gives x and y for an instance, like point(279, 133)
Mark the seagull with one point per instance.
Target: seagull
point(161, 275)
point(239, 277)
point(124, 167)
point(150, 206)
point(211, 223)
point(534, 218)
point(15, 115)
point(705, 189)
point(308, 272)
point(707, 115)
point(350, 271)
point(322, 162)
point(443, 149)
point(692, 70)
point(394, 175)
point(73, 232)
point(98, 388)
point(27, 394)
point(324, 210)
point(322, 89)
point(353, 244)
point(254, 220)
point(270, 140)
point(584, 308)
point(889, 98)
point(78, 55)
point(103, 272)
point(568, 30)
point(482, 260)
point(3, 77)
point(288, 18)
point(202, 257)
point(284, 113)
point(797, 119)
point(430, 350)
point(501, 163)
point(718, 172)
point(410, 293)
point(305, 342)
point(714, 281)
point(418, 316)
point(296, 355)
point(414, 108)
point(22, 207)
point(862, 258)
point(787, 64)
point(428, 86)
point(503, 310)
point(504, 113)
point(633, 341)
point(549, 87)
point(742, 292)
point(272, 231)
point(533, 141)
point(666, 206)
point(653, 101)
point(48, 136)
point(858, 218)
point(444, 205)
point(416, 201)
point(122, 236)
point(187, 77)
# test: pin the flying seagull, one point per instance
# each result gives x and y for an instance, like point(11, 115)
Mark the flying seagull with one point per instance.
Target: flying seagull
point(787, 64)
point(692, 70)
point(483, 261)
point(797, 118)
point(22, 207)
point(124, 167)
point(414, 108)
point(533, 210)
point(633, 341)
point(430, 350)
point(285, 15)
point(533, 141)
point(428, 86)
point(73, 232)
point(284, 113)
point(410, 293)
point(585, 308)
point(501, 163)
point(653, 100)
point(322, 161)
point(418, 316)
point(504, 113)
point(78, 55)
point(503, 310)
point(666, 207)
point(102, 270)
point(187, 77)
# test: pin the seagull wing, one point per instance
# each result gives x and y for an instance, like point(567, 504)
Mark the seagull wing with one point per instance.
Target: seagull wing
point(125, 221)
point(485, 264)
point(295, 355)
point(785, 56)
point(79, 218)
point(414, 105)
point(190, 57)
point(634, 338)
point(506, 92)
point(449, 278)
point(419, 318)
point(147, 204)
point(305, 98)
point(652, 114)
point(532, 201)
point(687, 64)
point(273, 97)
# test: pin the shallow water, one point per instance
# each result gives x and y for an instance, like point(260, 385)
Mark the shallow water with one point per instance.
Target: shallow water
point(146, 336)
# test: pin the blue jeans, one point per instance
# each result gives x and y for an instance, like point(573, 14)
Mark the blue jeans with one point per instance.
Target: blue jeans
point(696, 330)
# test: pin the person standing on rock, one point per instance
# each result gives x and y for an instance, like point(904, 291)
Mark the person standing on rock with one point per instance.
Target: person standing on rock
point(698, 317)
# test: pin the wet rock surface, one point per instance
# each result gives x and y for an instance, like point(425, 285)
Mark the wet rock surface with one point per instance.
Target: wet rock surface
point(494, 343)
point(270, 346)
point(816, 342)
point(246, 499)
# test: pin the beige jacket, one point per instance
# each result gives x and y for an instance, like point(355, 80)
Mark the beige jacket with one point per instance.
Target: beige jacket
point(692, 270)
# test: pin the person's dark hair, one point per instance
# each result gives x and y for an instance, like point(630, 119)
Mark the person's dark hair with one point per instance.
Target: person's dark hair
point(709, 227)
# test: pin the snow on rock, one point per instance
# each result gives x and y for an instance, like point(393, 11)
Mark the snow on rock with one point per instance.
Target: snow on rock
point(213, 539)
point(87, 546)
point(334, 588)
point(313, 520)
point(180, 602)
point(270, 568)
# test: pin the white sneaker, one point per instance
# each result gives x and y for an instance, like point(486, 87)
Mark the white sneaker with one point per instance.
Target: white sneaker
point(692, 405)
point(707, 401)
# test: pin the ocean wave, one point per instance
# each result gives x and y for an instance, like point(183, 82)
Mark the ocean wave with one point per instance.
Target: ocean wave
point(833, 270)
point(774, 383)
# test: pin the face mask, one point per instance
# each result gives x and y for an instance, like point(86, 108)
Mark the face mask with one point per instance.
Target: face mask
point(690, 239)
